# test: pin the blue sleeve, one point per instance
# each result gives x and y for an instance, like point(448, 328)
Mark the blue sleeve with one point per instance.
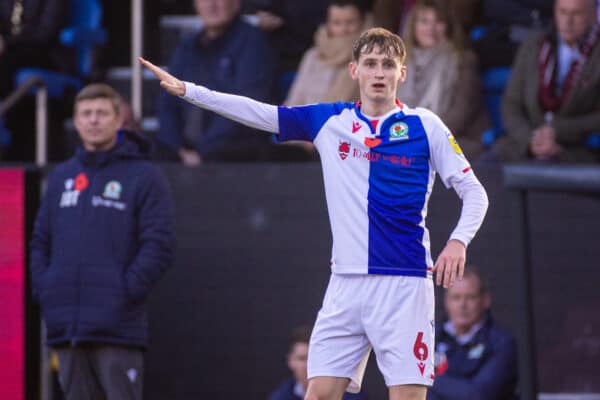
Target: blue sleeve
point(170, 107)
point(41, 241)
point(488, 383)
point(155, 227)
point(305, 122)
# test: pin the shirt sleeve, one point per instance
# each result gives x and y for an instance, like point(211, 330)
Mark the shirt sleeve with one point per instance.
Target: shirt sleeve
point(305, 122)
point(244, 110)
point(474, 206)
point(447, 157)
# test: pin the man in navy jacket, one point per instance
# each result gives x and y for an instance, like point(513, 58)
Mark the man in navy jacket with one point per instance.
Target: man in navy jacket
point(102, 238)
point(475, 359)
point(227, 55)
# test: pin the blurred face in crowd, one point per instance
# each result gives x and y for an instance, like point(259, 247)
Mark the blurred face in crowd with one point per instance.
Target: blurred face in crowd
point(343, 20)
point(297, 362)
point(378, 75)
point(97, 122)
point(216, 14)
point(430, 30)
point(573, 18)
point(466, 303)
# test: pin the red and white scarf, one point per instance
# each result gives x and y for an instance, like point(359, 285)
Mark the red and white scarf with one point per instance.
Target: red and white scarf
point(550, 99)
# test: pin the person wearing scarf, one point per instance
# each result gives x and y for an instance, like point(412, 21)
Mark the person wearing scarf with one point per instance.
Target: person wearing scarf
point(323, 73)
point(443, 76)
point(552, 100)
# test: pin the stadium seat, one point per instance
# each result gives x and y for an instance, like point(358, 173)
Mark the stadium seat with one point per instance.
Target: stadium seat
point(593, 141)
point(84, 33)
point(494, 81)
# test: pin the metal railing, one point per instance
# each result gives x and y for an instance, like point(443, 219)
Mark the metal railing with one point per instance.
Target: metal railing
point(41, 114)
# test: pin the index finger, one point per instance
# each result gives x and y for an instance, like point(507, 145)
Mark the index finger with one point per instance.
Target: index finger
point(160, 74)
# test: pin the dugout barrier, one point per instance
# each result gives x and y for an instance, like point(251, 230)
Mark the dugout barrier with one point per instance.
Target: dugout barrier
point(252, 261)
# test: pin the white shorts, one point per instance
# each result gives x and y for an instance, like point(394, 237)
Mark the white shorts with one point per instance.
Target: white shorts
point(393, 315)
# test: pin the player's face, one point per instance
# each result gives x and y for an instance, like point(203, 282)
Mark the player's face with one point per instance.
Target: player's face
point(465, 303)
point(378, 76)
point(97, 123)
point(297, 362)
point(343, 20)
point(430, 31)
point(573, 18)
point(216, 14)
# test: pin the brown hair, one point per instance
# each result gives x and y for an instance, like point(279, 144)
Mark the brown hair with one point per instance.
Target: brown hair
point(454, 31)
point(99, 91)
point(472, 270)
point(389, 43)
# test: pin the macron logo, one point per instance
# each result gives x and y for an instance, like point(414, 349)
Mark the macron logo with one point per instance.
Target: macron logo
point(356, 126)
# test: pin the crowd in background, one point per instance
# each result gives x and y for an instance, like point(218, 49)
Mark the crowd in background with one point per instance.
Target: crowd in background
point(294, 53)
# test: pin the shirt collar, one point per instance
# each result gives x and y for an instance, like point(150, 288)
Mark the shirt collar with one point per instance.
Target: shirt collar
point(467, 337)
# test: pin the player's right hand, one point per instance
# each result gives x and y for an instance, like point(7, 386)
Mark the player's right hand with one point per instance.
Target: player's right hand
point(167, 81)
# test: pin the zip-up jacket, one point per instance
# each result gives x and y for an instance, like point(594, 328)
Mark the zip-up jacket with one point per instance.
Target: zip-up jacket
point(102, 238)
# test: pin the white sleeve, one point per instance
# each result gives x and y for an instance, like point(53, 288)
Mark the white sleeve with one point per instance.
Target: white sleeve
point(474, 206)
point(237, 108)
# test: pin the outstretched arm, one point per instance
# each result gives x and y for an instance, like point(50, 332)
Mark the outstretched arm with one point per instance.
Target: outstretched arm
point(238, 108)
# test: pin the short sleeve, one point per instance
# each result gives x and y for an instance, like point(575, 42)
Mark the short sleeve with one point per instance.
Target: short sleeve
point(305, 122)
point(447, 157)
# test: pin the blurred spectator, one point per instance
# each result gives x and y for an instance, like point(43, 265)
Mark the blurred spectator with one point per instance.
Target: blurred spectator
point(289, 24)
point(442, 75)
point(294, 388)
point(506, 24)
point(393, 14)
point(92, 275)
point(474, 358)
point(552, 101)
point(29, 37)
point(323, 75)
point(228, 55)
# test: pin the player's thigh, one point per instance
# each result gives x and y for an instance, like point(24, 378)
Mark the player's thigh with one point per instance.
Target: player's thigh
point(402, 330)
point(326, 388)
point(408, 392)
point(338, 344)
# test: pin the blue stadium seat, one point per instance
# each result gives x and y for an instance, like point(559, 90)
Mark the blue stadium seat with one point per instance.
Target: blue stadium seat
point(593, 141)
point(494, 81)
point(84, 33)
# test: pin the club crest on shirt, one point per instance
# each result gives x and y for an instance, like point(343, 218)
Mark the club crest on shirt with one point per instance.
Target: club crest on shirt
point(399, 131)
point(476, 351)
point(344, 149)
point(454, 144)
point(112, 190)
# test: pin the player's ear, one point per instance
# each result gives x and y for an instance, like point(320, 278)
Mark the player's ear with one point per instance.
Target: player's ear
point(352, 69)
point(402, 74)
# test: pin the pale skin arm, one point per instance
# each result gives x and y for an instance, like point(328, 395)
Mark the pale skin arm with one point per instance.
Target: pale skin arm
point(450, 264)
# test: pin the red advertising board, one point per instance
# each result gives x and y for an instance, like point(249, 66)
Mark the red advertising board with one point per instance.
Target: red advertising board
point(12, 284)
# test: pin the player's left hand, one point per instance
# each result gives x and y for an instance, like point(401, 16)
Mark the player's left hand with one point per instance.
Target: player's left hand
point(450, 264)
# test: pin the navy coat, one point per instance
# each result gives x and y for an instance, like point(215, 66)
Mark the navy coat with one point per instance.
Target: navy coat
point(102, 238)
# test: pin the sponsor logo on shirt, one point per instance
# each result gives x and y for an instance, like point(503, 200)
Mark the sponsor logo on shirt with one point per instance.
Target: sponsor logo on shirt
point(356, 126)
point(454, 144)
point(399, 131)
point(73, 187)
point(344, 149)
